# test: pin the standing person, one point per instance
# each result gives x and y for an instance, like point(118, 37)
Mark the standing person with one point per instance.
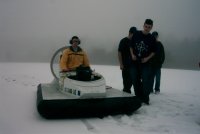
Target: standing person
point(142, 50)
point(74, 56)
point(157, 62)
point(125, 61)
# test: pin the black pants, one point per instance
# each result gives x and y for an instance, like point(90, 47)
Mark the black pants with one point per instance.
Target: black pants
point(127, 81)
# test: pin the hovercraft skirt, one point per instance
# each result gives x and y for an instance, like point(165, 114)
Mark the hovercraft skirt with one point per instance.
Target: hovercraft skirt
point(62, 106)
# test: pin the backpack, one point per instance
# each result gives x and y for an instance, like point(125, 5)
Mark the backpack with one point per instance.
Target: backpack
point(83, 73)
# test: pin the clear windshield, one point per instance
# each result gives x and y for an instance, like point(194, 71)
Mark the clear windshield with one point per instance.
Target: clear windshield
point(54, 65)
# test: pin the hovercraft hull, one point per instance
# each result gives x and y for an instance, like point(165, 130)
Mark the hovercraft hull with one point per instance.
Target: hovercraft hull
point(52, 104)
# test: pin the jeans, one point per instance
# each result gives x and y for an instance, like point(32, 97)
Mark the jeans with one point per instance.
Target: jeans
point(141, 74)
point(155, 77)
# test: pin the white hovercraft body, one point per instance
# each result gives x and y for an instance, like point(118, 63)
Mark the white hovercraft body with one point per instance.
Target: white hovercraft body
point(82, 89)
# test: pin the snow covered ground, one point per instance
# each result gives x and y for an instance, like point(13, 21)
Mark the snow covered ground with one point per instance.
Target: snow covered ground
point(176, 110)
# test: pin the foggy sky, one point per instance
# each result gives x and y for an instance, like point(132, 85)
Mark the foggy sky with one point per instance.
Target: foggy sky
point(31, 31)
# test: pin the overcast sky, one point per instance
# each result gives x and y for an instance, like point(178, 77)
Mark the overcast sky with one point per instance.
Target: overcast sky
point(32, 30)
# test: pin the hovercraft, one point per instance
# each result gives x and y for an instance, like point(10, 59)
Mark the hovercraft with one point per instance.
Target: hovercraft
point(76, 94)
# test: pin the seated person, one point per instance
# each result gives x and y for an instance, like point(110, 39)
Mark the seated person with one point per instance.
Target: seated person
point(74, 56)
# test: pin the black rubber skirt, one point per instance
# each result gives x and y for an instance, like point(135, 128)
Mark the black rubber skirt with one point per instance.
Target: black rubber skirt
point(52, 104)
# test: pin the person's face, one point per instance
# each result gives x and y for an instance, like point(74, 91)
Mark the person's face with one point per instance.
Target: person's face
point(130, 35)
point(75, 42)
point(147, 28)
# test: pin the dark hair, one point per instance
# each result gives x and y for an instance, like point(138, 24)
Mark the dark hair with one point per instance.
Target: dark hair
point(74, 37)
point(149, 22)
point(132, 30)
point(155, 34)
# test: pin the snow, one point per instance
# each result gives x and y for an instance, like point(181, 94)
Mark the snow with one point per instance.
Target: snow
point(174, 111)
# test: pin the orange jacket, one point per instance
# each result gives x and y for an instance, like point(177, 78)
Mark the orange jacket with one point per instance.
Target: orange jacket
point(70, 59)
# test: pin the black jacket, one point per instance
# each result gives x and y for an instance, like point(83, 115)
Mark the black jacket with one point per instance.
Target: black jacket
point(159, 57)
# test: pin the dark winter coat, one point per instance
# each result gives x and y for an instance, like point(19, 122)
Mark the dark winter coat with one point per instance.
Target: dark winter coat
point(159, 57)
